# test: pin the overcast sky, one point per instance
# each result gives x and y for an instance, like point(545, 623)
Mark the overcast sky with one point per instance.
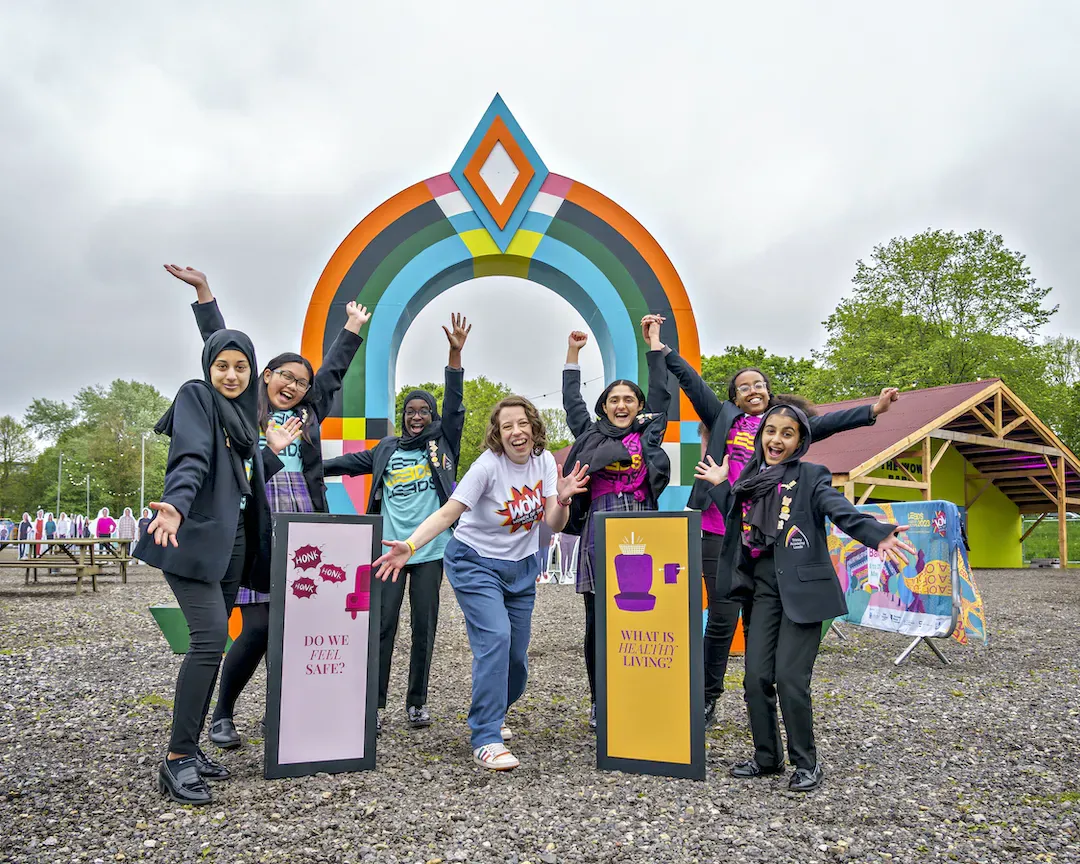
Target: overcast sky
point(765, 146)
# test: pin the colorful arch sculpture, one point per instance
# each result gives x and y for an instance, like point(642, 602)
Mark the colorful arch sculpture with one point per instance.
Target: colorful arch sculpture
point(498, 212)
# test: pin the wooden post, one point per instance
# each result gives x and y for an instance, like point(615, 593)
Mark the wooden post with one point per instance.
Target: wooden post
point(1063, 539)
point(927, 462)
point(849, 491)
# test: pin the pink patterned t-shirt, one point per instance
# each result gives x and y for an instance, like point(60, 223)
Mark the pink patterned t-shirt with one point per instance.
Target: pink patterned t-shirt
point(739, 448)
point(623, 477)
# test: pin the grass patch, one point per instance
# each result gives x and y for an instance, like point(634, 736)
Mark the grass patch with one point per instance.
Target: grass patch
point(1071, 796)
point(154, 700)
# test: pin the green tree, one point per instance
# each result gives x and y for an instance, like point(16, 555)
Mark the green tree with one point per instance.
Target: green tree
point(936, 308)
point(558, 432)
point(481, 395)
point(49, 419)
point(16, 458)
point(788, 374)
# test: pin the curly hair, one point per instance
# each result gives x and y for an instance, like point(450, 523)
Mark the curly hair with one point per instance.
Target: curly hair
point(493, 438)
point(803, 404)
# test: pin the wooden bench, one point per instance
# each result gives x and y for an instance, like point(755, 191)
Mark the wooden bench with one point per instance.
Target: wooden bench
point(84, 557)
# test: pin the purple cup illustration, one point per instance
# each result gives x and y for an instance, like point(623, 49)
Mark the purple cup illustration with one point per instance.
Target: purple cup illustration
point(634, 571)
point(671, 573)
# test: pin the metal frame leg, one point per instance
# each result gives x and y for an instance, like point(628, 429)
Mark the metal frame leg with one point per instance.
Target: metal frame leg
point(930, 644)
point(836, 631)
point(915, 644)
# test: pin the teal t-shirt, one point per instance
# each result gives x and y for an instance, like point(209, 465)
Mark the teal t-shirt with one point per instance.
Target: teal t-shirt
point(409, 497)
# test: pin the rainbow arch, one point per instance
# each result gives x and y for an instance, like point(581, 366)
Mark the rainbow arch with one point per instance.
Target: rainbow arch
point(455, 227)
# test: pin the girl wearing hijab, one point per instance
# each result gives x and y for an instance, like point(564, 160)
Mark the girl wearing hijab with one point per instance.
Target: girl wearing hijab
point(288, 388)
point(628, 467)
point(211, 532)
point(730, 427)
point(26, 532)
point(491, 561)
point(413, 476)
point(776, 549)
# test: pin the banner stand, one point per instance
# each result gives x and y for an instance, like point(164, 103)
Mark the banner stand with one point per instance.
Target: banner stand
point(323, 648)
point(834, 628)
point(650, 675)
point(915, 644)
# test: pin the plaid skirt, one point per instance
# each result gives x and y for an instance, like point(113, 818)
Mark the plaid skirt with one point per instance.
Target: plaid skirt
point(286, 492)
point(612, 503)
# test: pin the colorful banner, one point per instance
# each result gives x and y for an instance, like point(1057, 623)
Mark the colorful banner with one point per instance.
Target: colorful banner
point(934, 595)
point(323, 648)
point(649, 669)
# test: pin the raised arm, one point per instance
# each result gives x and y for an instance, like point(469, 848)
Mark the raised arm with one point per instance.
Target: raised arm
point(882, 536)
point(557, 506)
point(658, 400)
point(824, 425)
point(705, 401)
point(400, 551)
point(453, 407)
point(578, 417)
point(337, 360)
point(350, 465)
point(205, 307)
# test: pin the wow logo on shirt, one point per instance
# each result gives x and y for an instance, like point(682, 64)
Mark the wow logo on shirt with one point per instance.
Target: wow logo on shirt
point(524, 509)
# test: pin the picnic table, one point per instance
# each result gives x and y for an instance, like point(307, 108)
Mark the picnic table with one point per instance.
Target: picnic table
point(86, 557)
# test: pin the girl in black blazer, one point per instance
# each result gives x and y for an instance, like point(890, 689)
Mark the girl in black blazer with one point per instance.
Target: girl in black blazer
point(731, 425)
point(776, 549)
point(288, 388)
point(211, 523)
point(412, 476)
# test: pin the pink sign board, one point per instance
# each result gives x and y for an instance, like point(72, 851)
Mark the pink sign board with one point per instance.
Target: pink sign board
point(322, 609)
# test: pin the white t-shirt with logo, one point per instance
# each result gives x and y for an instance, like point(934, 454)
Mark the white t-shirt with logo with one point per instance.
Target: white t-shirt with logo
point(506, 504)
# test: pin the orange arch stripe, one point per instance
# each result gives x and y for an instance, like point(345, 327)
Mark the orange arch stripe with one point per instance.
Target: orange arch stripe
point(344, 257)
point(603, 207)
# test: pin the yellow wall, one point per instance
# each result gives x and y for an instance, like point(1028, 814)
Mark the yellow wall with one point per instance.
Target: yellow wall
point(993, 525)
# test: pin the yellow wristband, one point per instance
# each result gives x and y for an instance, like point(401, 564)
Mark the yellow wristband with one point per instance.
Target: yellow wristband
point(412, 547)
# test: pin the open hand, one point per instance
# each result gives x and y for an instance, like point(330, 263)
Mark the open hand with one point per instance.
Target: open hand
point(710, 472)
point(885, 400)
point(358, 316)
point(575, 482)
point(165, 524)
point(190, 275)
point(893, 548)
point(577, 340)
point(280, 437)
point(459, 332)
point(391, 563)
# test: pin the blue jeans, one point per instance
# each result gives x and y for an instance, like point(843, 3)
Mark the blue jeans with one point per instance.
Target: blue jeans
point(497, 599)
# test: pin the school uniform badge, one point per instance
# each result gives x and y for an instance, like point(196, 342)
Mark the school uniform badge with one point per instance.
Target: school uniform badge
point(795, 539)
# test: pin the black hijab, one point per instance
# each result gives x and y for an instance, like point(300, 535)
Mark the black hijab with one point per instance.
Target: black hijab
point(239, 417)
point(430, 432)
point(760, 486)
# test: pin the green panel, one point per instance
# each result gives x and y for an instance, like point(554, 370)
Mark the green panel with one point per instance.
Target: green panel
point(501, 265)
point(616, 273)
point(353, 395)
point(689, 456)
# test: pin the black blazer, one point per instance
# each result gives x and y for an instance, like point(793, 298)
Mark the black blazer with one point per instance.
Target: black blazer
point(718, 417)
point(809, 589)
point(582, 421)
point(323, 389)
point(444, 453)
point(201, 484)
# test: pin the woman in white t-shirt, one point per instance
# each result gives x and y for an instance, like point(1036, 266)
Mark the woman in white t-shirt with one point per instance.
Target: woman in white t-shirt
point(491, 561)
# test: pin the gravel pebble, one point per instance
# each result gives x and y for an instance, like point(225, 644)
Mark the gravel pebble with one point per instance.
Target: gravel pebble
point(971, 762)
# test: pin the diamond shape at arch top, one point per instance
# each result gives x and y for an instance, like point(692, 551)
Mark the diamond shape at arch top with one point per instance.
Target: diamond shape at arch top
point(497, 143)
point(500, 211)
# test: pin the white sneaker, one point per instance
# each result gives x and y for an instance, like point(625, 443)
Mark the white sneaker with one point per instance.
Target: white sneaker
point(496, 757)
point(504, 730)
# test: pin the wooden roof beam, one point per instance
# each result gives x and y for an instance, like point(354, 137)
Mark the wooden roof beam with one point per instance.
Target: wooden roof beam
point(999, 443)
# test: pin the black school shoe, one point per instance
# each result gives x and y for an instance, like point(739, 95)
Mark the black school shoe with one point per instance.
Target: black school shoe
point(592, 717)
point(181, 781)
point(418, 716)
point(806, 779)
point(208, 768)
point(750, 769)
point(710, 713)
point(223, 734)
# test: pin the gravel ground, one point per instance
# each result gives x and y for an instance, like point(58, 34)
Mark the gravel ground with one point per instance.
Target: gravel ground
point(974, 762)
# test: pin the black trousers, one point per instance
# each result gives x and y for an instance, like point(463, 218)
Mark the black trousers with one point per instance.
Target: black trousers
point(243, 658)
point(780, 657)
point(723, 615)
point(424, 583)
point(206, 607)
point(590, 641)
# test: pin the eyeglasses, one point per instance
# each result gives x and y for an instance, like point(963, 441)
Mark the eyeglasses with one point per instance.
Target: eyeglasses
point(757, 387)
point(417, 412)
point(300, 384)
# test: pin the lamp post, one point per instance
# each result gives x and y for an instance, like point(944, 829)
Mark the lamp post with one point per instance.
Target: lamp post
point(59, 478)
point(87, 496)
point(142, 474)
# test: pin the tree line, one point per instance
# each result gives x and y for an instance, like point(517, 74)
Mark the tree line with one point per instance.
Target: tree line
point(933, 309)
